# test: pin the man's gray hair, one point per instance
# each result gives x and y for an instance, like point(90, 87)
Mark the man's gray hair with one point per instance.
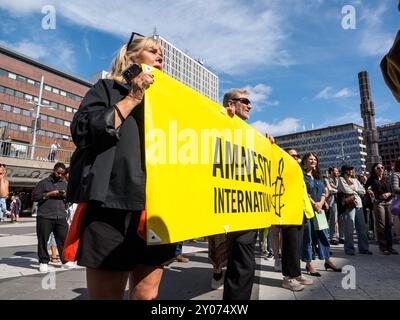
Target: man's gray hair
point(233, 94)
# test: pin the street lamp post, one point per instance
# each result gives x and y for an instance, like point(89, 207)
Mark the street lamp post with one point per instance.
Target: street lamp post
point(343, 157)
point(37, 115)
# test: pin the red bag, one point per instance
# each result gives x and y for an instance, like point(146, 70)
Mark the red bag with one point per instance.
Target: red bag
point(142, 228)
point(71, 244)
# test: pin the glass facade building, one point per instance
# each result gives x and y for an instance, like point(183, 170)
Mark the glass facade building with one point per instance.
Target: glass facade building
point(389, 143)
point(189, 71)
point(334, 145)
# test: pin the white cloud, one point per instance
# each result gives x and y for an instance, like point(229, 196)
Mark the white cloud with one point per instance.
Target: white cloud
point(260, 96)
point(328, 93)
point(60, 54)
point(374, 41)
point(285, 126)
point(230, 36)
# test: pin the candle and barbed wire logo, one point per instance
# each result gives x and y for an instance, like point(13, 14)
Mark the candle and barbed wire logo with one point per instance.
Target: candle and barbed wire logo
point(279, 189)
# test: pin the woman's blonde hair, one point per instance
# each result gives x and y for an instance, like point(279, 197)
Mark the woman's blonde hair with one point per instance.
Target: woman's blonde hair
point(121, 61)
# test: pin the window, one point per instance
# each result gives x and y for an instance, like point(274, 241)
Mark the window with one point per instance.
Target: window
point(28, 97)
point(65, 137)
point(21, 79)
point(63, 93)
point(53, 104)
point(2, 89)
point(6, 107)
point(61, 107)
point(60, 121)
point(13, 126)
point(3, 72)
point(36, 99)
point(43, 117)
point(12, 75)
point(9, 91)
point(46, 87)
point(52, 119)
point(41, 132)
point(23, 128)
point(67, 123)
point(56, 91)
point(16, 110)
point(68, 109)
point(57, 136)
point(19, 94)
point(49, 134)
point(46, 102)
point(26, 113)
point(30, 81)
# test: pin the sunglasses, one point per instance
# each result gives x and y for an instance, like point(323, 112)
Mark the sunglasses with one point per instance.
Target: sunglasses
point(380, 168)
point(296, 156)
point(243, 100)
point(2, 165)
point(133, 37)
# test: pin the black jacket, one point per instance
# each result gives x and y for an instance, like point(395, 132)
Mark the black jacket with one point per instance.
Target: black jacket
point(108, 165)
point(54, 207)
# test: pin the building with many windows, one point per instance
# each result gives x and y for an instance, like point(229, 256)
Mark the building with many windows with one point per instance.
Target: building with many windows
point(189, 71)
point(334, 145)
point(389, 143)
point(20, 79)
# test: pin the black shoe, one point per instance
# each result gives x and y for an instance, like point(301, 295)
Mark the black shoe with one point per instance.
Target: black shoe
point(341, 241)
point(392, 251)
point(334, 242)
point(350, 253)
point(366, 252)
point(314, 274)
point(328, 266)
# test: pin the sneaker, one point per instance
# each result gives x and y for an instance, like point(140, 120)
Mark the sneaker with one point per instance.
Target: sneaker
point(393, 251)
point(68, 265)
point(43, 267)
point(217, 284)
point(278, 265)
point(292, 284)
point(304, 280)
point(181, 258)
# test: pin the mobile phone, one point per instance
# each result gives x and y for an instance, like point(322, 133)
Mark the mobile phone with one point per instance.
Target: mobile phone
point(131, 72)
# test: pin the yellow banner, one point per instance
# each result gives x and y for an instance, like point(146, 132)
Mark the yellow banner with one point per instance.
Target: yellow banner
point(208, 173)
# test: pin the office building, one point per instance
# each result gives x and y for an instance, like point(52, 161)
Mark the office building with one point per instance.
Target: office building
point(389, 143)
point(333, 145)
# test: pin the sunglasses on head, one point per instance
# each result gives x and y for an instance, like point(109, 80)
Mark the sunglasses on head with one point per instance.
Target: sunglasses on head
point(2, 165)
point(243, 100)
point(133, 35)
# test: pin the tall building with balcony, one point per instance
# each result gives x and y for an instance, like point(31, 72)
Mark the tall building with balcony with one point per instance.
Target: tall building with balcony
point(189, 71)
point(389, 143)
point(333, 145)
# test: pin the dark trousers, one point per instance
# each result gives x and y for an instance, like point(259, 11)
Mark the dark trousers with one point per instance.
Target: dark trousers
point(44, 227)
point(241, 266)
point(292, 237)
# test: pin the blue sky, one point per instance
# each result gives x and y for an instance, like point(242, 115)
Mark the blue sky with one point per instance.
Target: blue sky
point(294, 57)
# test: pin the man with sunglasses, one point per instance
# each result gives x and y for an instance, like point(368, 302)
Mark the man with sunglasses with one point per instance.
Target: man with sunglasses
point(4, 184)
point(241, 265)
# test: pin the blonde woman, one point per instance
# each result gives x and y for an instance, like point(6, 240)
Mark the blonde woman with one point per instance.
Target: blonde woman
point(108, 172)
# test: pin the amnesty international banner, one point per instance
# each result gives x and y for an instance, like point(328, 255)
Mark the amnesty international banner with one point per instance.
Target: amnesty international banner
point(209, 173)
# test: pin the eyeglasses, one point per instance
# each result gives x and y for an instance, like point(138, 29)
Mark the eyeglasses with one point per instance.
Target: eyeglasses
point(380, 167)
point(2, 165)
point(133, 37)
point(242, 100)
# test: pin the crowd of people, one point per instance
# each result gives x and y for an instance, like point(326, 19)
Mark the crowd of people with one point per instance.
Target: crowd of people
point(107, 186)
